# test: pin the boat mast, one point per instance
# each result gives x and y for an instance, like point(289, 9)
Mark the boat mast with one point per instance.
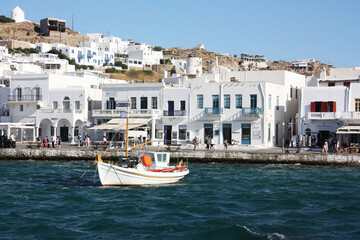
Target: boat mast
point(127, 128)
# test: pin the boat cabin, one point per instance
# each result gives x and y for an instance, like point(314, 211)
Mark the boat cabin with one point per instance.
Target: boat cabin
point(154, 160)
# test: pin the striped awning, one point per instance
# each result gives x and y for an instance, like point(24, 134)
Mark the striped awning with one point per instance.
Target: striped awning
point(117, 124)
point(348, 130)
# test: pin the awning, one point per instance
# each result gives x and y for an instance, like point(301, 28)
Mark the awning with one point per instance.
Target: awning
point(117, 124)
point(348, 130)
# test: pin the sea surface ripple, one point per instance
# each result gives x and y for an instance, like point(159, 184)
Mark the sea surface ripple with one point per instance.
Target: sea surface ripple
point(63, 200)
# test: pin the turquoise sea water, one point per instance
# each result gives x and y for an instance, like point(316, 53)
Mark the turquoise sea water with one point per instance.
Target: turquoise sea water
point(49, 200)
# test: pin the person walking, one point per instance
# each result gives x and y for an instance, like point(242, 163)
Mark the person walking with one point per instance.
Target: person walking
point(212, 144)
point(207, 142)
point(87, 141)
point(195, 142)
point(12, 140)
point(53, 140)
point(325, 147)
point(226, 143)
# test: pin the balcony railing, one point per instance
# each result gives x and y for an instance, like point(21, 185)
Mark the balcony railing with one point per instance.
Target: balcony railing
point(323, 115)
point(24, 98)
point(350, 115)
point(213, 111)
point(122, 113)
point(46, 111)
point(175, 113)
point(251, 111)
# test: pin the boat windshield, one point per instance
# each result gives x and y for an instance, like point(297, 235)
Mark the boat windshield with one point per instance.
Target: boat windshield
point(161, 157)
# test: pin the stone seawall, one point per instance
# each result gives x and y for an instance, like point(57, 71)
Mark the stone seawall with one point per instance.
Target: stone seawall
point(186, 155)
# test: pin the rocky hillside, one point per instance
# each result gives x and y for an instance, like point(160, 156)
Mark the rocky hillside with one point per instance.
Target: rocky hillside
point(30, 32)
point(207, 57)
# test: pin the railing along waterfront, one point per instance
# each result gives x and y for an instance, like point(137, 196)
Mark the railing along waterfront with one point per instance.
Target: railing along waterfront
point(24, 98)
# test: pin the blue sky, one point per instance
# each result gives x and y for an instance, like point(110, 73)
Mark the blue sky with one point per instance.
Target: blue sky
point(327, 30)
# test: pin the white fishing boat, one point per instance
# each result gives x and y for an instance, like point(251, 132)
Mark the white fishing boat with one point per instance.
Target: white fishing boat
point(151, 168)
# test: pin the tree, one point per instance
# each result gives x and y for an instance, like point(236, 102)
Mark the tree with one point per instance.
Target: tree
point(235, 55)
point(157, 48)
point(6, 19)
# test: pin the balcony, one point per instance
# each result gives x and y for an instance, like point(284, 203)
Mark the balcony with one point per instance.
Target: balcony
point(122, 113)
point(350, 115)
point(323, 115)
point(24, 98)
point(174, 113)
point(251, 111)
point(47, 111)
point(213, 111)
point(80, 56)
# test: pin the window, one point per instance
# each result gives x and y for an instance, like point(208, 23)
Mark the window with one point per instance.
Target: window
point(154, 103)
point(215, 101)
point(36, 92)
point(253, 101)
point(269, 133)
point(331, 84)
point(111, 103)
point(323, 106)
point(182, 132)
point(76, 131)
point(269, 102)
point(182, 105)
point(238, 100)
point(55, 105)
point(21, 108)
point(347, 84)
point(77, 104)
point(143, 103)
point(357, 104)
point(72, 51)
point(227, 101)
point(66, 103)
point(277, 102)
point(133, 103)
point(296, 93)
point(200, 101)
point(291, 91)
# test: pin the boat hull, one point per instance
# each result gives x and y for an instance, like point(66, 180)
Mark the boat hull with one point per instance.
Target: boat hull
point(111, 175)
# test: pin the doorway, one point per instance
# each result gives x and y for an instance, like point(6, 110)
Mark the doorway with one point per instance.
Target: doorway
point(64, 134)
point(227, 132)
point(171, 108)
point(208, 130)
point(167, 134)
point(246, 133)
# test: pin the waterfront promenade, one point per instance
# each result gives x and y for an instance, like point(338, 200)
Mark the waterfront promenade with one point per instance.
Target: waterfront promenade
point(234, 154)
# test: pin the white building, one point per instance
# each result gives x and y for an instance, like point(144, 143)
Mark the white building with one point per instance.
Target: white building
point(331, 109)
point(247, 108)
point(18, 14)
point(82, 55)
point(142, 55)
point(55, 104)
